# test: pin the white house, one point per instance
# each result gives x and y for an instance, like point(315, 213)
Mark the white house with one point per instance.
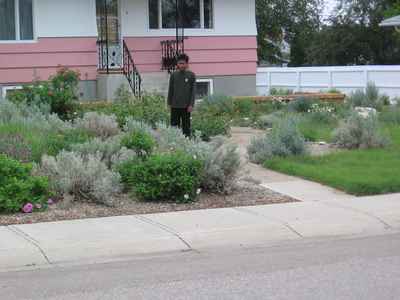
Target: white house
point(104, 39)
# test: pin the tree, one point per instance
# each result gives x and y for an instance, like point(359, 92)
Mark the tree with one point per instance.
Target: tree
point(293, 21)
point(355, 37)
point(393, 10)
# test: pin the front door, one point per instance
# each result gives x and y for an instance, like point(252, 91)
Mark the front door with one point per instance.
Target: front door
point(109, 39)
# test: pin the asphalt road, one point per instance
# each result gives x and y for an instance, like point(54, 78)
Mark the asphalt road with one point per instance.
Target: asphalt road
point(358, 268)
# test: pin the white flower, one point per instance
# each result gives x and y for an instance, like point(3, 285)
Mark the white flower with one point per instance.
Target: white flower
point(194, 157)
point(198, 191)
point(186, 197)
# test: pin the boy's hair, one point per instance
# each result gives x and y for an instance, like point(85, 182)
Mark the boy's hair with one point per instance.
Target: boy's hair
point(183, 57)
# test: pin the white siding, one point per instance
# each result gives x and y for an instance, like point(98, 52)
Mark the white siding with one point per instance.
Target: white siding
point(345, 79)
point(232, 18)
point(65, 18)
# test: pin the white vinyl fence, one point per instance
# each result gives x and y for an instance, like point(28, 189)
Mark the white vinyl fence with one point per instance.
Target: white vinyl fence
point(315, 79)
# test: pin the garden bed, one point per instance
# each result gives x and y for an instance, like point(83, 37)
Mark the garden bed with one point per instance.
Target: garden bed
point(327, 97)
point(245, 194)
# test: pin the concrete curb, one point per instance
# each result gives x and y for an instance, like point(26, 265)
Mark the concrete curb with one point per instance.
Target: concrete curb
point(105, 239)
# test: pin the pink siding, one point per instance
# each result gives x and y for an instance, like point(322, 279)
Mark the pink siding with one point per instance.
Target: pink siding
point(21, 62)
point(219, 55)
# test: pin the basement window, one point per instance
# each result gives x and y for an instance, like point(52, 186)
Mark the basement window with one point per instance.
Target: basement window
point(8, 90)
point(204, 88)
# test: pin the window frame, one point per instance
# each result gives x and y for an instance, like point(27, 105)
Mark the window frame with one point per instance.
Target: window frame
point(17, 25)
point(210, 82)
point(7, 88)
point(160, 20)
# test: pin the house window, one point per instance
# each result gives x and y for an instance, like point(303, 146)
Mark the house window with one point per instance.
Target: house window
point(194, 14)
point(8, 90)
point(204, 88)
point(16, 20)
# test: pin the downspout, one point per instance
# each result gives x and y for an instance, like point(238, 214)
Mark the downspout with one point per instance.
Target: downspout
point(176, 26)
point(106, 21)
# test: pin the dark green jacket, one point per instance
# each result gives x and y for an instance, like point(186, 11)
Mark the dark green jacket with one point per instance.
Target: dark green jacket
point(182, 89)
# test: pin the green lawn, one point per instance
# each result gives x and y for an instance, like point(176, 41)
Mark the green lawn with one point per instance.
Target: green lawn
point(358, 172)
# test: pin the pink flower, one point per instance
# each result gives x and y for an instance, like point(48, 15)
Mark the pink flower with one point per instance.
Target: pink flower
point(28, 208)
point(50, 202)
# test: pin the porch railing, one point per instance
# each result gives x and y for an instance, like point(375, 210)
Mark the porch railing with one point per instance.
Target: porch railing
point(170, 50)
point(131, 72)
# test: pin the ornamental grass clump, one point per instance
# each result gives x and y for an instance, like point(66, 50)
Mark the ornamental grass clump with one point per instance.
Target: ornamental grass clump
point(268, 121)
point(359, 132)
point(368, 98)
point(106, 149)
point(83, 176)
point(99, 125)
point(283, 140)
point(221, 168)
point(19, 188)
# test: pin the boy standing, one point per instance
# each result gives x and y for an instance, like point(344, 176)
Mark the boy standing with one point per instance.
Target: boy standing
point(181, 95)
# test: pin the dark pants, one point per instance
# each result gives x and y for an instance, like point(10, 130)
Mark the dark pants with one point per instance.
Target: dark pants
point(180, 117)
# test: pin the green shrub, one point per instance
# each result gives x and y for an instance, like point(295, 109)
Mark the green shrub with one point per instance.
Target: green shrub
point(244, 107)
point(301, 104)
point(60, 93)
point(125, 171)
point(123, 94)
point(280, 92)
point(284, 139)
point(217, 105)
point(18, 187)
point(139, 141)
point(268, 121)
point(333, 91)
point(168, 177)
point(25, 142)
point(210, 125)
point(359, 132)
point(221, 163)
point(150, 109)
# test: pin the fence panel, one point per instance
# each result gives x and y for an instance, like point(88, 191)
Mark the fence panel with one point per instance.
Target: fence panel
point(315, 79)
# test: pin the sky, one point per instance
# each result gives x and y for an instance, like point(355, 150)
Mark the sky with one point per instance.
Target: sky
point(329, 6)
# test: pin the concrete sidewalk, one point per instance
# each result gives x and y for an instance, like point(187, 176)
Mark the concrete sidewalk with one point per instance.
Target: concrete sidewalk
point(105, 239)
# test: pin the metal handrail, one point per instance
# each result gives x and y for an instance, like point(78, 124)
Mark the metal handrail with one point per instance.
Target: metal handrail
point(170, 50)
point(131, 72)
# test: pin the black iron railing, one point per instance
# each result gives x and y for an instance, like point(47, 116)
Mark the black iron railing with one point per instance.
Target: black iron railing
point(110, 56)
point(130, 71)
point(102, 50)
point(170, 50)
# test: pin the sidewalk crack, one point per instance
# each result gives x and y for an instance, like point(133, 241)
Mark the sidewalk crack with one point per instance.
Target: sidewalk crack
point(287, 225)
point(166, 229)
point(386, 225)
point(30, 240)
